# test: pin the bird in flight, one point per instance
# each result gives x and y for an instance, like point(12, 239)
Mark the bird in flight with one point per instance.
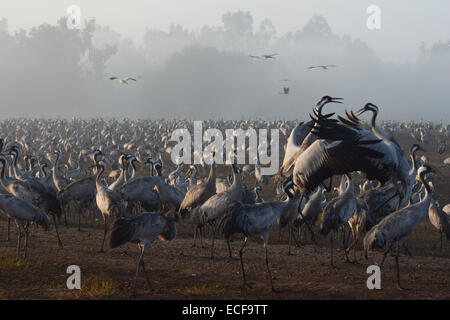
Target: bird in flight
point(324, 67)
point(265, 56)
point(123, 80)
point(285, 90)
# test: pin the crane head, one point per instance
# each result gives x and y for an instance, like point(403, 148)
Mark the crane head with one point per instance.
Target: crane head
point(327, 99)
point(415, 147)
point(323, 101)
point(368, 107)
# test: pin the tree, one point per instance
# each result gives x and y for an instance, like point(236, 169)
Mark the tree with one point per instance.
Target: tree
point(238, 23)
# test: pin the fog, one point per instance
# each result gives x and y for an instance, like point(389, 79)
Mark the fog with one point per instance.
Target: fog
point(202, 71)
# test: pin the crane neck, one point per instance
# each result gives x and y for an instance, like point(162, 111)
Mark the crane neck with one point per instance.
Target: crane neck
point(133, 170)
point(4, 165)
point(414, 163)
point(342, 185)
point(56, 166)
point(15, 169)
point(99, 174)
point(427, 187)
point(350, 186)
point(212, 172)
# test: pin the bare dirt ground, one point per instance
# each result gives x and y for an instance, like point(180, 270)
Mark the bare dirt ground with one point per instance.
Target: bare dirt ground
point(178, 271)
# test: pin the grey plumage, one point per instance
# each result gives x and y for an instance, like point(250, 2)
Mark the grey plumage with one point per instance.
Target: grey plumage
point(109, 202)
point(257, 218)
point(198, 194)
point(337, 213)
point(396, 227)
point(23, 212)
point(143, 229)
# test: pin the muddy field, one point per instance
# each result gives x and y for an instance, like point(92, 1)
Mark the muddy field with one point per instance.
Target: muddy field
point(178, 271)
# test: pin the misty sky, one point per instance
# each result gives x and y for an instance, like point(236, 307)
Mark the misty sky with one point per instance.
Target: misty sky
point(191, 58)
point(405, 23)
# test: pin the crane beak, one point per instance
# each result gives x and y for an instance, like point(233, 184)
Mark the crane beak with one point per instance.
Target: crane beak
point(361, 111)
point(336, 100)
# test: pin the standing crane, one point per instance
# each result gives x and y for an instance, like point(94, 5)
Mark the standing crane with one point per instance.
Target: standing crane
point(58, 179)
point(122, 176)
point(143, 229)
point(439, 220)
point(337, 213)
point(257, 219)
point(23, 212)
point(214, 208)
point(198, 194)
point(109, 202)
point(396, 227)
point(32, 191)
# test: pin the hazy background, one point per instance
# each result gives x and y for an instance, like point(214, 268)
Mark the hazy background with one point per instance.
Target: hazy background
point(192, 58)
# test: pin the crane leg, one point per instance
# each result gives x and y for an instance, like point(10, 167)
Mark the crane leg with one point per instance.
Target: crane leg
point(137, 269)
point(104, 233)
point(268, 269)
point(9, 228)
point(345, 244)
point(212, 242)
point(60, 245)
point(147, 278)
point(65, 219)
point(26, 228)
point(229, 248)
point(79, 220)
point(241, 252)
point(406, 250)
point(19, 240)
point(308, 225)
point(290, 240)
point(195, 237)
point(398, 268)
point(295, 239)
point(331, 246)
point(385, 254)
point(354, 233)
point(200, 233)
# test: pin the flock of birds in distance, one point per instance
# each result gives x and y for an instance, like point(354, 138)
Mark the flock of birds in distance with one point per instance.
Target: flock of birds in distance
point(100, 181)
point(392, 202)
point(285, 91)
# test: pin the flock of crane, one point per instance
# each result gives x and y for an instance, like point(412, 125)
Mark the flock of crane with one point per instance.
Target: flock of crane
point(393, 200)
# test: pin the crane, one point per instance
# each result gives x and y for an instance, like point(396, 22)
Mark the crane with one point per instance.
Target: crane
point(109, 202)
point(123, 80)
point(338, 211)
point(143, 229)
point(397, 226)
point(257, 219)
point(198, 194)
point(24, 213)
